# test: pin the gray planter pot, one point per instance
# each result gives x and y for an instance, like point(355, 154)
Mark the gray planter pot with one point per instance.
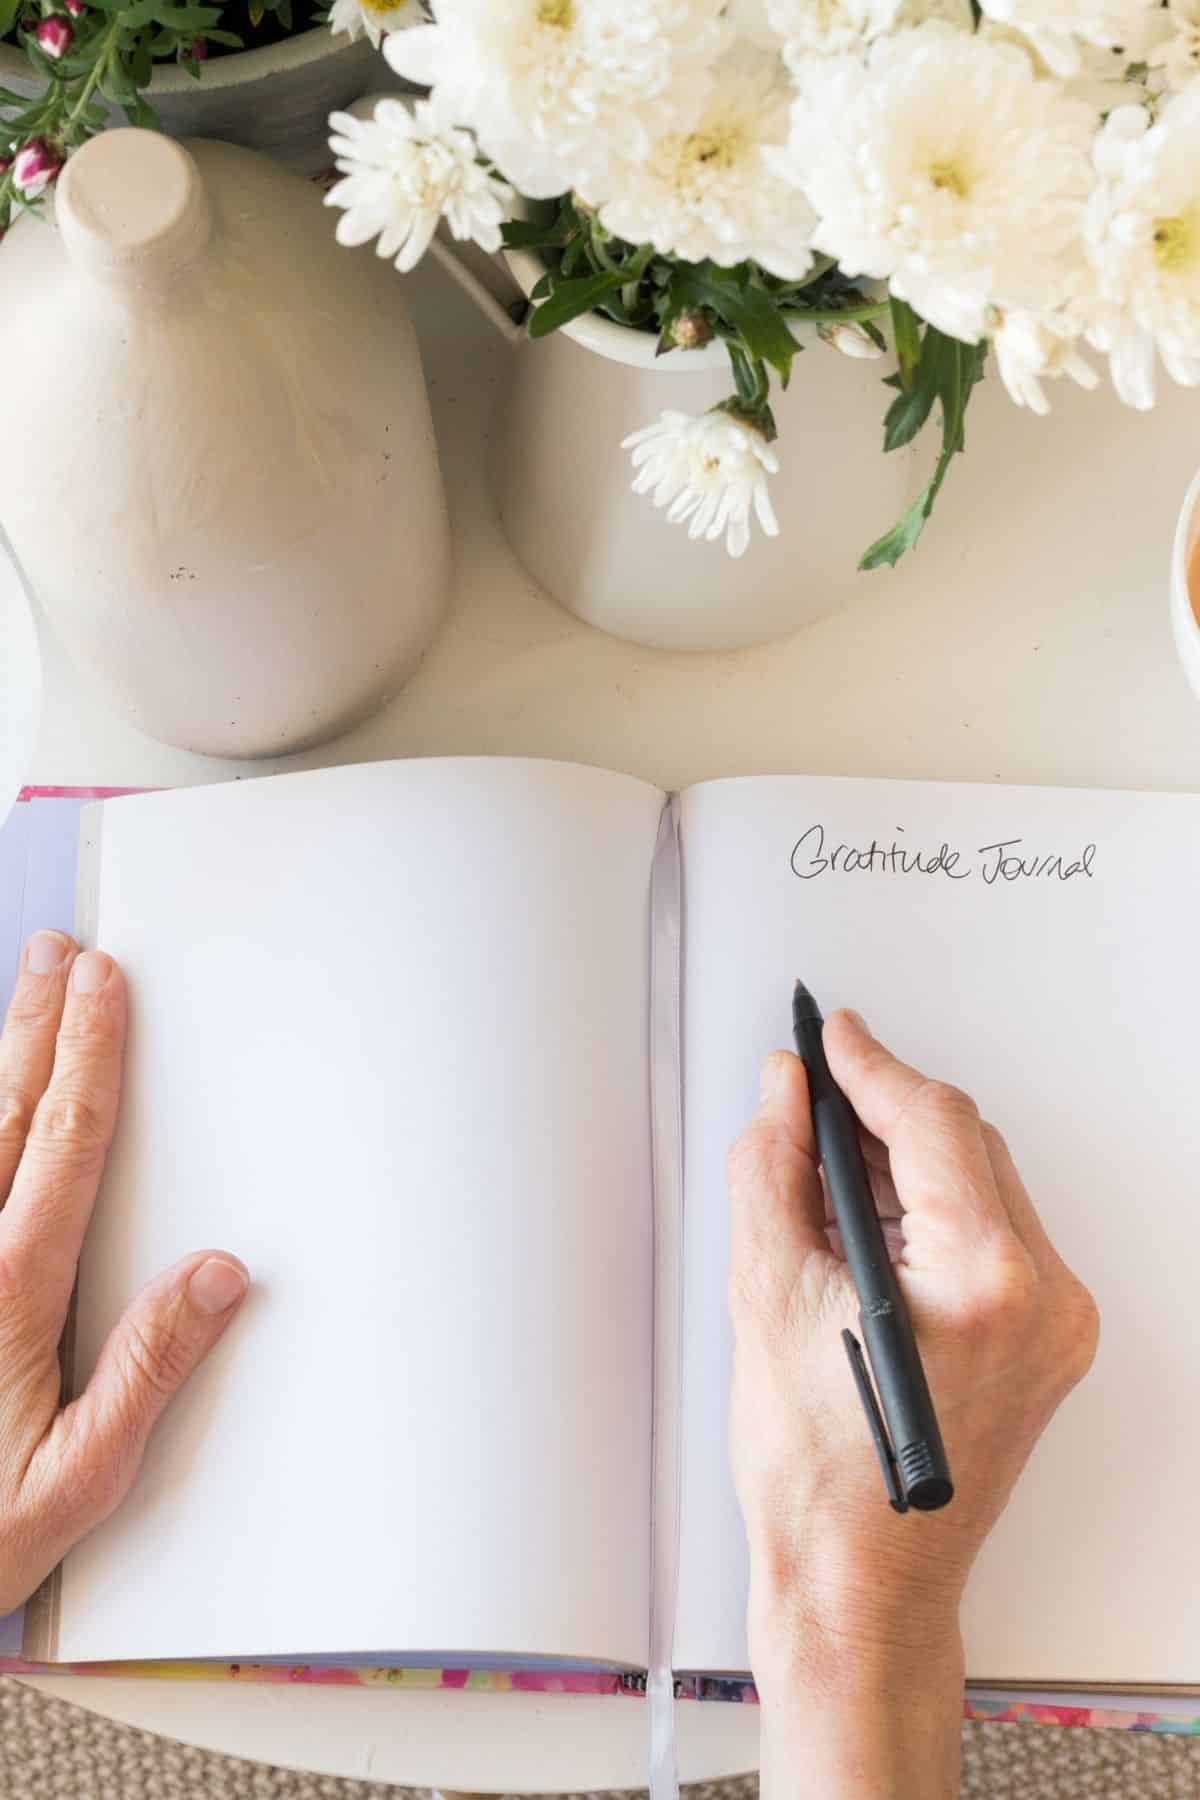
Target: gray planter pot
point(277, 99)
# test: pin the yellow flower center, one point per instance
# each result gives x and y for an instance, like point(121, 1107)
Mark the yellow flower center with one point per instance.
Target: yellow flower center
point(711, 149)
point(948, 178)
point(383, 9)
point(1175, 242)
point(559, 13)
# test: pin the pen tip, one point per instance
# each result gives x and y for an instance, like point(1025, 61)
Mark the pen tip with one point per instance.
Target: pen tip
point(803, 1004)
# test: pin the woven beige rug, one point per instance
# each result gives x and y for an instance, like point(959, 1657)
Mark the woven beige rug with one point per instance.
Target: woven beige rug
point(49, 1751)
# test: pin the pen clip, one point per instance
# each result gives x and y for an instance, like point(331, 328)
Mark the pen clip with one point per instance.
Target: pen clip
point(879, 1432)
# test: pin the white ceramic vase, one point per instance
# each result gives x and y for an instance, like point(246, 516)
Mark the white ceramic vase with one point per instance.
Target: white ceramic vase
point(230, 504)
point(276, 99)
point(563, 486)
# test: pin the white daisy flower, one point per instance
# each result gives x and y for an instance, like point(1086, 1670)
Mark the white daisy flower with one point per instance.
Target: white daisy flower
point(1143, 240)
point(1058, 29)
point(942, 165)
point(830, 27)
point(402, 171)
point(1031, 348)
point(711, 471)
point(373, 17)
point(707, 191)
point(555, 89)
point(1178, 54)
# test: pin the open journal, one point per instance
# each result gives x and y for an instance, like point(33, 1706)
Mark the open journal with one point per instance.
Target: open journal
point(450, 1053)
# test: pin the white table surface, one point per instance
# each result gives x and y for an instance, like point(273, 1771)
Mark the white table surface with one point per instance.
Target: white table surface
point(1026, 641)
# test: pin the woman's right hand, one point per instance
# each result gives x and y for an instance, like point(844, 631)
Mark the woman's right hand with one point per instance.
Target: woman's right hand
point(846, 1595)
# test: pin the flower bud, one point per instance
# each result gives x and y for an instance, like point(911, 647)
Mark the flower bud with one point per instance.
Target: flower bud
point(76, 8)
point(35, 166)
point(690, 331)
point(54, 36)
point(850, 339)
point(197, 50)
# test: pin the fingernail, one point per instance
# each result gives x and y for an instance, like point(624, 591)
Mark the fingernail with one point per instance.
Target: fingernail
point(46, 950)
point(217, 1285)
point(858, 1020)
point(769, 1080)
point(91, 971)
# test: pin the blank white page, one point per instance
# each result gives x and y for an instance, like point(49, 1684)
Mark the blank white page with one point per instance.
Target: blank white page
point(1069, 1009)
point(389, 1045)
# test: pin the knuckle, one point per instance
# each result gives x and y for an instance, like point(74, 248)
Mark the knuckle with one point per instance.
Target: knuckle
point(994, 1139)
point(16, 1117)
point(154, 1358)
point(28, 1009)
point(69, 1124)
point(1078, 1319)
point(949, 1103)
point(1003, 1296)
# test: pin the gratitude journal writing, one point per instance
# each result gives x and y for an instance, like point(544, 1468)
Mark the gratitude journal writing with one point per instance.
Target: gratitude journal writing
point(816, 853)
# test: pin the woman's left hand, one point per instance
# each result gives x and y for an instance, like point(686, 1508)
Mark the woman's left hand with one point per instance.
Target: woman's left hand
point(64, 1468)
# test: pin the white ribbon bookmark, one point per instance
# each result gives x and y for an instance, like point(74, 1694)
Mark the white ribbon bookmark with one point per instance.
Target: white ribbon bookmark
point(666, 1099)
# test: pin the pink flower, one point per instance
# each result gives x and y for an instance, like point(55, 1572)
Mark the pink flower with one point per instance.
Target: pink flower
point(197, 50)
point(76, 8)
point(35, 166)
point(54, 36)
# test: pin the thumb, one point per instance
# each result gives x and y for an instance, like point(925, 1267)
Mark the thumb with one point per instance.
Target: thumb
point(778, 1205)
point(160, 1340)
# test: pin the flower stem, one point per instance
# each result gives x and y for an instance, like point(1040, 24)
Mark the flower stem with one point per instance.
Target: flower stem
point(97, 72)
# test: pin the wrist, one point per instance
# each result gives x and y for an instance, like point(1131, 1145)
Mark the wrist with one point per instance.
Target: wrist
point(847, 1614)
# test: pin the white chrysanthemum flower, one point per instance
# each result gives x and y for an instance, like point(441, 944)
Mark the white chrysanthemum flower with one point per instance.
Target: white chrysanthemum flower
point(1058, 29)
point(943, 166)
point(1143, 240)
point(751, 19)
point(830, 27)
point(955, 13)
point(708, 191)
point(1178, 53)
point(554, 89)
point(402, 171)
point(709, 471)
point(1034, 347)
point(374, 17)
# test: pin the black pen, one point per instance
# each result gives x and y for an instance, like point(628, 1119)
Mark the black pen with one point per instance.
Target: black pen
point(907, 1438)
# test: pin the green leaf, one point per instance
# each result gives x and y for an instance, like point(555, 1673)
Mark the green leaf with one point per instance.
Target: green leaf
point(8, 12)
point(906, 330)
point(534, 234)
point(747, 309)
point(959, 366)
point(192, 20)
point(230, 39)
point(570, 299)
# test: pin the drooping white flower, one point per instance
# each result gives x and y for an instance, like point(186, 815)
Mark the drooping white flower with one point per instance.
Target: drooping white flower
point(942, 165)
point(402, 171)
point(1032, 348)
point(830, 27)
point(374, 17)
point(554, 89)
point(1058, 29)
point(1143, 240)
point(708, 471)
point(708, 191)
point(1178, 53)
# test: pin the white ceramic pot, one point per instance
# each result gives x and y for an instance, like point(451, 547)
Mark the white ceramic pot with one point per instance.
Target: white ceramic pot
point(276, 99)
point(563, 486)
point(230, 504)
point(1184, 622)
